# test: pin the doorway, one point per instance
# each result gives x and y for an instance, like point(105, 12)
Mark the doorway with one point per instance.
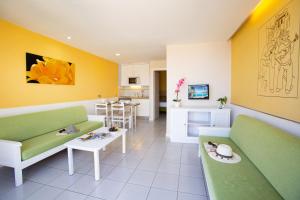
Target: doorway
point(159, 94)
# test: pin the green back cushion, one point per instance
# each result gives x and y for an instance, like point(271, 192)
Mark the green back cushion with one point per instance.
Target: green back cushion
point(274, 152)
point(25, 126)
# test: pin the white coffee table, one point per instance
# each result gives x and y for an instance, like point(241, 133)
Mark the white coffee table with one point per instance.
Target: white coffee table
point(94, 145)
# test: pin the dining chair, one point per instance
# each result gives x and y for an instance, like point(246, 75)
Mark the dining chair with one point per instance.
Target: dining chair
point(103, 109)
point(121, 114)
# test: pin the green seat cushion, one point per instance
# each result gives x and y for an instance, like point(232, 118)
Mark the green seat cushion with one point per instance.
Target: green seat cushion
point(45, 142)
point(240, 181)
point(26, 126)
point(274, 152)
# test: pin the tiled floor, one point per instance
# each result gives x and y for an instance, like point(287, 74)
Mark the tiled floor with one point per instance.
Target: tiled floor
point(153, 169)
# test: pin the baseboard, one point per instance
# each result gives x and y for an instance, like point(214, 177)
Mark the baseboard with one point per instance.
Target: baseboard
point(88, 104)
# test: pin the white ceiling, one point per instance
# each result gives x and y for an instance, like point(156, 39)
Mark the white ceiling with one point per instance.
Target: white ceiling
point(137, 29)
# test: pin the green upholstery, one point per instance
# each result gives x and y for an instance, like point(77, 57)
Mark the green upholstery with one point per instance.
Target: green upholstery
point(241, 181)
point(270, 165)
point(26, 126)
point(42, 143)
point(274, 152)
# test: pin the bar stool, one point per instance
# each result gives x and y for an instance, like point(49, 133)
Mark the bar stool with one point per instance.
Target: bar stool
point(121, 114)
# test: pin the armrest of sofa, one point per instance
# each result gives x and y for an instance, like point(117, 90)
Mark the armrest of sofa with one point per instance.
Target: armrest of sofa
point(214, 131)
point(10, 153)
point(97, 118)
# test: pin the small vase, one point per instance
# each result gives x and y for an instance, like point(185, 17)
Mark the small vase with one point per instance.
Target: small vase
point(221, 106)
point(177, 104)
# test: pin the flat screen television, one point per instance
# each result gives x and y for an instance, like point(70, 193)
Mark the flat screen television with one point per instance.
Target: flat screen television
point(199, 91)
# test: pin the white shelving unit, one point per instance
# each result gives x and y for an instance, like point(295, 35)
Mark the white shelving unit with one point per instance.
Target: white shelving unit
point(187, 123)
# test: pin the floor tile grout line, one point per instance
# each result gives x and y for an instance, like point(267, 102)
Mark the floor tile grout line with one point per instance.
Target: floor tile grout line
point(130, 178)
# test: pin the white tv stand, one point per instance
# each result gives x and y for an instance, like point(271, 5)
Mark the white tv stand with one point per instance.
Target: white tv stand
point(187, 123)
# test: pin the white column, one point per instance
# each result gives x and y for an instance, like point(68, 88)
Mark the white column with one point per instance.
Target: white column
point(70, 161)
point(97, 165)
point(124, 142)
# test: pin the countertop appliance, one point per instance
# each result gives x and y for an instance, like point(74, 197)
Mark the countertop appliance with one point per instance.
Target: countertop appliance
point(133, 80)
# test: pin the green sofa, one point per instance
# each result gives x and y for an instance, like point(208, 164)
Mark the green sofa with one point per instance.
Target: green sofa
point(269, 167)
point(28, 138)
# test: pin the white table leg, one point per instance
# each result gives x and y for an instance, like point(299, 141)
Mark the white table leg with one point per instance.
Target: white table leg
point(97, 165)
point(123, 143)
point(70, 161)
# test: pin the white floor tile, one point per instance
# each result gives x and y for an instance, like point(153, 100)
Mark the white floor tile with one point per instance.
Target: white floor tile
point(141, 177)
point(68, 195)
point(113, 159)
point(192, 185)
point(65, 180)
point(105, 170)
point(159, 194)
point(148, 164)
point(108, 189)
point(45, 193)
point(134, 192)
point(129, 162)
point(185, 196)
point(44, 175)
point(166, 181)
point(120, 174)
point(21, 192)
point(85, 185)
point(168, 167)
point(191, 170)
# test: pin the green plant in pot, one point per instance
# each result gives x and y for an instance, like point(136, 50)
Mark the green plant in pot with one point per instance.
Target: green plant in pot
point(222, 102)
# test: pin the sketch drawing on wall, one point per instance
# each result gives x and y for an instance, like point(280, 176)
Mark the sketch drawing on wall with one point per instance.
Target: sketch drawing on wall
point(278, 74)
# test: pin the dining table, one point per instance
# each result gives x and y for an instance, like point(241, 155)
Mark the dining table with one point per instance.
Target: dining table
point(127, 103)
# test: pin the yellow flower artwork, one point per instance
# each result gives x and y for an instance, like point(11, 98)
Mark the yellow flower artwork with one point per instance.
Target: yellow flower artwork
point(45, 70)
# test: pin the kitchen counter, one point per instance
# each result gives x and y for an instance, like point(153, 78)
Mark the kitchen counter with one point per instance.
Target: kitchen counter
point(134, 97)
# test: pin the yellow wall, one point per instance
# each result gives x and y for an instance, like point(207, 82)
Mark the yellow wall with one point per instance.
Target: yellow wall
point(245, 65)
point(93, 76)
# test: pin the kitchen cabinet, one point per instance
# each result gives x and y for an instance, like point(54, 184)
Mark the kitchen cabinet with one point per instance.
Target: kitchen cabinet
point(141, 71)
point(143, 108)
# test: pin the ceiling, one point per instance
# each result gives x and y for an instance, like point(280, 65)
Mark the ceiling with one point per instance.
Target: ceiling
point(137, 29)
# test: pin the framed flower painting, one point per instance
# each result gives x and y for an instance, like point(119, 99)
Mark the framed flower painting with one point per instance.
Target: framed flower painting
point(45, 70)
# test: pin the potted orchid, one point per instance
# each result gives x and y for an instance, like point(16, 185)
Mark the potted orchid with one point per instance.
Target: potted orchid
point(177, 90)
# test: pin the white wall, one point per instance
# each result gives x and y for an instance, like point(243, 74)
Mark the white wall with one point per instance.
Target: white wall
point(198, 63)
point(289, 126)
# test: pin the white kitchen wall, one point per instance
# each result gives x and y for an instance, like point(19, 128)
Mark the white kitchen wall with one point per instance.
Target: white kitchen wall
point(199, 63)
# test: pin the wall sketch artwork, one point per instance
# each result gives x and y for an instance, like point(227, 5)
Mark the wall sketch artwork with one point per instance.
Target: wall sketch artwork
point(45, 70)
point(278, 73)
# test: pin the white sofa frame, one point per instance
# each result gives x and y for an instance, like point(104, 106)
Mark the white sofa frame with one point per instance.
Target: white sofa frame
point(10, 154)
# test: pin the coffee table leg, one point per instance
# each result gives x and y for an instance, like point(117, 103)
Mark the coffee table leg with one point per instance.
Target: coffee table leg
point(70, 161)
point(123, 143)
point(97, 165)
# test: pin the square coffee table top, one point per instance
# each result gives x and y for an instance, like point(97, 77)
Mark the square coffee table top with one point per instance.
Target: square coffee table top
point(97, 143)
